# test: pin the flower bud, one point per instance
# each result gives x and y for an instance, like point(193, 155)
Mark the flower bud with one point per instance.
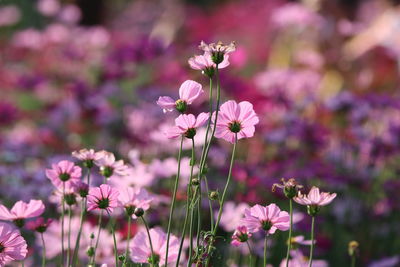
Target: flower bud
point(90, 252)
point(139, 212)
point(213, 195)
point(353, 248)
point(121, 257)
point(195, 182)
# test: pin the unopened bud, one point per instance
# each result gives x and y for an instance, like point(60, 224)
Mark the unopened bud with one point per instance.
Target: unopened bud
point(139, 212)
point(195, 181)
point(213, 195)
point(90, 251)
point(353, 248)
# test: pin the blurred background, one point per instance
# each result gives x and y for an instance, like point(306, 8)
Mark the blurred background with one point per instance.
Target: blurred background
point(322, 75)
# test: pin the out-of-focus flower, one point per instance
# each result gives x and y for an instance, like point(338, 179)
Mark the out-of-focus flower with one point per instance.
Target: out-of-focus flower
point(186, 124)
point(269, 218)
point(141, 251)
point(103, 197)
point(12, 245)
point(134, 198)
point(88, 156)
point(39, 225)
point(386, 262)
point(48, 7)
point(206, 65)
point(21, 211)
point(70, 14)
point(296, 15)
point(235, 119)
point(232, 215)
point(240, 235)
point(64, 172)
point(109, 166)
point(218, 51)
point(188, 92)
point(300, 240)
point(314, 200)
point(9, 15)
point(299, 260)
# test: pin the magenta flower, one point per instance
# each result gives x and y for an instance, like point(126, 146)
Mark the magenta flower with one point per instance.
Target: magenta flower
point(22, 210)
point(206, 65)
point(314, 200)
point(64, 172)
point(39, 225)
point(186, 125)
point(12, 245)
point(235, 119)
point(269, 218)
point(109, 166)
point(135, 198)
point(188, 92)
point(240, 236)
point(141, 251)
point(103, 197)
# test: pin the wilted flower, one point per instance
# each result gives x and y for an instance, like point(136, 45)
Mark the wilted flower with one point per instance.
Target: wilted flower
point(134, 198)
point(240, 235)
point(218, 51)
point(186, 125)
point(236, 119)
point(290, 187)
point(21, 211)
point(64, 172)
point(314, 200)
point(269, 218)
point(188, 92)
point(12, 245)
point(109, 166)
point(103, 197)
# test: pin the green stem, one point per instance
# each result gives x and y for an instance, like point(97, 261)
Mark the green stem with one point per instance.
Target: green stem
point(189, 263)
point(184, 224)
point(171, 212)
point(148, 234)
point(98, 237)
point(265, 249)
point(192, 202)
point(312, 241)
point(114, 239)
point(44, 251)
point(69, 236)
point(250, 254)
point(62, 224)
point(128, 238)
point(290, 231)
point(353, 261)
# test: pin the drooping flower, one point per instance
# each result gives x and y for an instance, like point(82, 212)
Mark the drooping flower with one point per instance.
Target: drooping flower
point(64, 172)
point(87, 156)
point(103, 197)
point(141, 251)
point(12, 245)
point(21, 211)
point(135, 198)
point(109, 166)
point(186, 124)
point(218, 51)
point(269, 218)
point(206, 65)
point(188, 92)
point(289, 187)
point(39, 225)
point(235, 119)
point(240, 235)
point(314, 200)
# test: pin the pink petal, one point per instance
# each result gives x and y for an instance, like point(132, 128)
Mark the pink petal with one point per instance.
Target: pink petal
point(189, 91)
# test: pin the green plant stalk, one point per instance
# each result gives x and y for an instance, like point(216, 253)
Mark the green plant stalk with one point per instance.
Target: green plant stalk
point(353, 261)
point(290, 231)
point(128, 238)
point(171, 212)
point(312, 241)
point(69, 236)
point(62, 224)
point(250, 254)
point(148, 234)
point(98, 236)
point(265, 249)
point(192, 203)
point(44, 251)
point(184, 225)
point(115, 240)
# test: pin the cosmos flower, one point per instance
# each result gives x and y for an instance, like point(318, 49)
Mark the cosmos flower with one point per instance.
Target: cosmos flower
point(188, 92)
point(21, 211)
point(109, 166)
point(134, 198)
point(269, 218)
point(206, 65)
point(39, 225)
point(103, 197)
point(235, 119)
point(64, 172)
point(218, 51)
point(12, 245)
point(240, 236)
point(186, 125)
point(314, 200)
point(300, 260)
point(88, 156)
point(141, 251)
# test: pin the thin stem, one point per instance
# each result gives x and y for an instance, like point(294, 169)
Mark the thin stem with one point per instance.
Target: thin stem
point(290, 231)
point(184, 224)
point(128, 238)
point(114, 239)
point(98, 236)
point(353, 261)
point(69, 236)
point(191, 207)
point(148, 234)
point(44, 251)
point(312, 241)
point(62, 224)
point(171, 212)
point(265, 249)
point(189, 263)
point(250, 254)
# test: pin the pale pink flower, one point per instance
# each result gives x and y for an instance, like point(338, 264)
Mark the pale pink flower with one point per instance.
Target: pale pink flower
point(218, 48)
point(141, 251)
point(39, 225)
point(48, 7)
point(315, 198)
point(232, 215)
point(12, 245)
point(299, 260)
point(109, 166)
point(103, 197)
point(300, 240)
point(204, 63)
point(64, 172)
point(188, 92)
point(235, 119)
point(135, 198)
point(22, 210)
point(70, 14)
point(240, 236)
point(9, 15)
point(269, 218)
point(186, 124)
point(88, 156)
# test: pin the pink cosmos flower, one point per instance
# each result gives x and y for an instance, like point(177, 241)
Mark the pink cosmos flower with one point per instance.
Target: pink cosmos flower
point(88, 156)
point(204, 63)
point(109, 166)
point(299, 260)
point(64, 172)
point(39, 225)
point(22, 210)
point(235, 119)
point(12, 245)
point(315, 198)
point(141, 251)
point(135, 198)
point(186, 124)
point(188, 92)
point(240, 236)
point(218, 47)
point(269, 219)
point(103, 197)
